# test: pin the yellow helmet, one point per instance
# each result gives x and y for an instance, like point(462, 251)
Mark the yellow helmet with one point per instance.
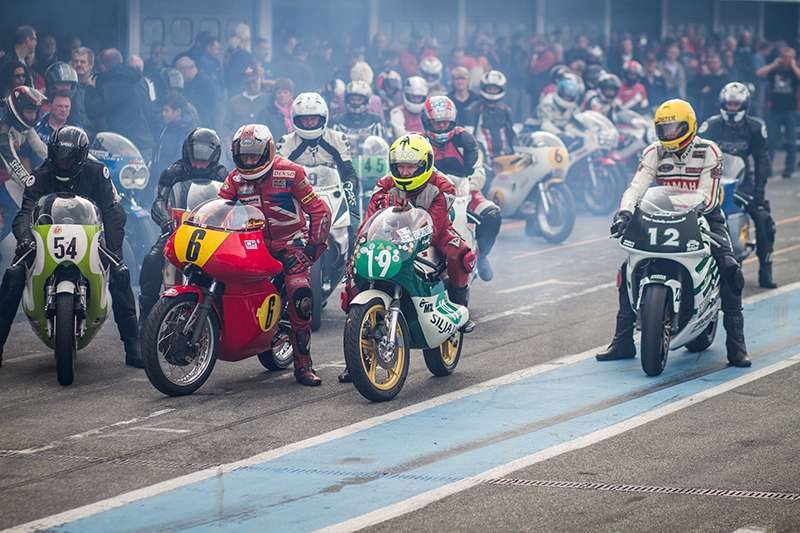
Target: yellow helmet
point(413, 149)
point(676, 124)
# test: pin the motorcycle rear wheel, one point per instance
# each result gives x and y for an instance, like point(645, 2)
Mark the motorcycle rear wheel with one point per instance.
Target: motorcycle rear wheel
point(442, 360)
point(155, 347)
point(656, 310)
point(557, 224)
point(65, 348)
point(364, 327)
point(281, 354)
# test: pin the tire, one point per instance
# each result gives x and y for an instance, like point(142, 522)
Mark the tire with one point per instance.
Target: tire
point(557, 225)
point(156, 322)
point(618, 173)
point(532, 227)
point(656, 311)
point(442, 361)
point(602, 199)
point(317, 296)
point(705, 339)
point(66, 349)
point(277, 358)
point(353, 353)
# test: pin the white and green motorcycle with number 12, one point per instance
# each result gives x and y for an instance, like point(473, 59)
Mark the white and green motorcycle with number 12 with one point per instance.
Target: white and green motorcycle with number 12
point(66, 295)
point(402, 305)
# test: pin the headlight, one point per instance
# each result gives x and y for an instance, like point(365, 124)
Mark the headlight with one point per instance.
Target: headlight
point(134, 176)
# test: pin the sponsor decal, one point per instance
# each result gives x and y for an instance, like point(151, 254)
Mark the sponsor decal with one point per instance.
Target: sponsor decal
point(279, 184)
point(282, 173)
point(666, 167)
point(170, 292)
point(106, 173)
point(692, 246)
point(56, 230)
point(699, 154)
point(251, 244)
point(455, 241)
point(308, 197)
point(694, 170)
point(246, 188)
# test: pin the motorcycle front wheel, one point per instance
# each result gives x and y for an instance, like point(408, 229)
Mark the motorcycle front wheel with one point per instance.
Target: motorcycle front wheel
point(656, 310)
point(65, 347)
point(557, 221)
point(601, 196)
point(442, 360)
point(366, 328)
point(172, 369)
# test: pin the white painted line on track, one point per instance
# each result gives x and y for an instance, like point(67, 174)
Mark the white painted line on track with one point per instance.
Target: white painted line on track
point(21, 358)
point(417, 502)
point(91, 433)
point(560, 247)
point(524, 308)
point(536, 285)
point(163, 430)
point(175, 483)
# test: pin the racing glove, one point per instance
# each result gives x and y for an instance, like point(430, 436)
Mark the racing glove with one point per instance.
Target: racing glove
point(621, 221)
point(23, 245)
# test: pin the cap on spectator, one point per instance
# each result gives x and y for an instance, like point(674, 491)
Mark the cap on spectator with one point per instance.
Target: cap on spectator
point(284, 84)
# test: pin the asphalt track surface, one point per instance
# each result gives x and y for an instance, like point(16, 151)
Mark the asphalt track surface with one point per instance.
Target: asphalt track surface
point(530, 433)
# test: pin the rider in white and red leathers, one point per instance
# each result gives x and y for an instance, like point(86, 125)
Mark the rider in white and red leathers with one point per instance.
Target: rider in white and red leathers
point(489, 119)
point(456, 152)
point(407, 118)
point(431, 69)
point(556, 109)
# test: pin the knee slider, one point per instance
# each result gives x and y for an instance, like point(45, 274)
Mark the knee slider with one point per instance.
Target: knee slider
point(303, 304)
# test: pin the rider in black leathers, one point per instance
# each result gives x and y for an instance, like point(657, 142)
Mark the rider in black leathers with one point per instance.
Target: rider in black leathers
point(741, 135)
point(200, 162)
point(69, 169)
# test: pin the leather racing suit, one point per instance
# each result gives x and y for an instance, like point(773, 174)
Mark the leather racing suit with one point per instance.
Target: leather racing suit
point(403, 121)
point(492, 126)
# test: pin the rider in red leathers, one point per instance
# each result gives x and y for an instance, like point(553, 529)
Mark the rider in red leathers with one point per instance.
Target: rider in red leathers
point(281, 190)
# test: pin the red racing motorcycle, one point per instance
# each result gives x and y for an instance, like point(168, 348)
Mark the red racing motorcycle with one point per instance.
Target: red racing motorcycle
point(229, 306)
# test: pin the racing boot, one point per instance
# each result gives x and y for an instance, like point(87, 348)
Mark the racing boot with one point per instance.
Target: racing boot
point(304, 371)
point(485, 268)
point(460, 296)
point(345, 376)
point(734, 340)
point(622, 345)
point(765, 275)
point(133, 352)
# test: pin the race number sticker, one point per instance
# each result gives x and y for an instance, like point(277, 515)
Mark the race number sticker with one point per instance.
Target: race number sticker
point(558, 158)
point(66, 243)
point(378, 259)
point(269, 312)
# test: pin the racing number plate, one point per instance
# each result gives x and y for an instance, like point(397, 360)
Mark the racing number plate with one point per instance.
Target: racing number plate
point(378, 260)
point(663, 234)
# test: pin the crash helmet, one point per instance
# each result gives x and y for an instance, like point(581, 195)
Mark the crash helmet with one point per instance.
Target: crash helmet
point(24, 107)
point(253, 151)
point(633, 70)
point(61, 79)
point(356, 96)
point(202, 148)
point(609, 86)
point(412, 149)
point(568, 92)
point(390, 82)
point(431, 69)
point(67, 151)
point(438, 110)
point(734, 100)
point(415, 91)
point(493, 86)
point(676, 125)
point(557, 72)
point(592, 75)
point(309, 105)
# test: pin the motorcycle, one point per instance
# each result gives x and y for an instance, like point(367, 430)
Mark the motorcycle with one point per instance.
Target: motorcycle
point(592, 173)
point(130, 176)
point(403, 305)
point(734, 204)
point(529, 185)
point(372, 163)
point(635, 134)
point(672, 279)
point(464, 221)
point(66, 296)
point(328, 271)
point(230, 308)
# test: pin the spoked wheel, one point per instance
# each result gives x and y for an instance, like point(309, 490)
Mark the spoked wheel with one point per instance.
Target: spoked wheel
point(656, 328)
point(600, 196)
point(557, 219)
point(281, 354)
point(65, 348)
point(441, 361)
point(378, 372)
point(172, 366)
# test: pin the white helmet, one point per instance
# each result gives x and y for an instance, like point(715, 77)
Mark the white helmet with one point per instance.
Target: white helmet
point(309, 105)
point(374, 145)
point(431, 69)
point(356, 96)
point(414, 93)
point(493, 85)
point(361, 71)
point(253, 151)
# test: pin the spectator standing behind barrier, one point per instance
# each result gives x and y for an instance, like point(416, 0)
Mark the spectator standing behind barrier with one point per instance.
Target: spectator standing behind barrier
point(278, 113)
point(461, 95)
point(201, 90)
point(46, 54)
point(25, 40)
point(13, 75)
point(238, 58)
point(707, 85)
point(156, 61)
point(542, 60)
point(177, 126)
point(85, 105)
point(783, 74)
point(245, 107)
point(674, 72)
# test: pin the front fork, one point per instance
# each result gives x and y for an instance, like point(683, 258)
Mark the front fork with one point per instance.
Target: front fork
point(394, 316)
point(194, 325)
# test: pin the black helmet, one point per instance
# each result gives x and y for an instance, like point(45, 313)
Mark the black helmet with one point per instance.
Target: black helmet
point(592, 75)
point(61, 79)
point(67, 151)
point(609, 86)
point(24, 107)
point(202, 145)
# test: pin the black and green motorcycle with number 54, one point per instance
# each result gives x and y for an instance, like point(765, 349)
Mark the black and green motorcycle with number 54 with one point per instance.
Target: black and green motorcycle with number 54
point(402, 305)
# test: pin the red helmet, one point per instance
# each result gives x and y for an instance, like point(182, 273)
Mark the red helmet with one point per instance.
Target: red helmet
point(25, 106)
point(253, 151)
point(439, 109)
point(633, 69)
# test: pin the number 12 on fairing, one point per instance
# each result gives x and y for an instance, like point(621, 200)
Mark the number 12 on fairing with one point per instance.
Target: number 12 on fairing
point(671, 234)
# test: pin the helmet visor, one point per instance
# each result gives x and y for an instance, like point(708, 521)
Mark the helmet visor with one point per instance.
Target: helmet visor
point(670, 131)
point(415, 98)
point(308, 122)
point(492, 89)
point(65, 158)
point(441, 126)
point(732, 106)
point(201, 151)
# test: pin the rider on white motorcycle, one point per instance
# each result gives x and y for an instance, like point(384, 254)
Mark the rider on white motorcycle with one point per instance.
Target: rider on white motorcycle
point(683, 161)
point(457, 153)
point(605, 101)
point(407, 118)
point(357, 120)
point(556, 109)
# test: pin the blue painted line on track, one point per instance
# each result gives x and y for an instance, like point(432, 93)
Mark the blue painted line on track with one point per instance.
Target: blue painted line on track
point(350, 476)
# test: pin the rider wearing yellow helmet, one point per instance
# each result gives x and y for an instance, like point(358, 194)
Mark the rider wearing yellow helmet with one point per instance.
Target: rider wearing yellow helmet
point(682, 161)
point(414, 180)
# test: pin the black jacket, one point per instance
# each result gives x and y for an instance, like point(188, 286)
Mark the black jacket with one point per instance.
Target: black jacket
point(749, 139)
point(94, 183)
point(493, 125)
point(178, 172)
point(457, 156)
point(126, 106)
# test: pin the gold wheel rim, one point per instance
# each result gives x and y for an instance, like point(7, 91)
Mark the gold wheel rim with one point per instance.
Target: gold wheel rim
point(449, 350)
point(369, 352)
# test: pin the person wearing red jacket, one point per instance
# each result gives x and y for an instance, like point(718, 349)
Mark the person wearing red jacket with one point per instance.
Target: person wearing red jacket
point(414, 180)
point(298, 222)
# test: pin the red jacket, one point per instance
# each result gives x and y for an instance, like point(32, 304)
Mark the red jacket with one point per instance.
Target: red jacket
point(285, 197)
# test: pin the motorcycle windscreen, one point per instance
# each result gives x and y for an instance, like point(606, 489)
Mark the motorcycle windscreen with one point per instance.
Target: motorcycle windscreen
point(665, 222)
point(62, 208)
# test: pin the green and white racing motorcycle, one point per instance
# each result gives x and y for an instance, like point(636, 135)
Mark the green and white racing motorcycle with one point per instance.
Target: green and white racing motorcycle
point(402, 305)
point(66, 294)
